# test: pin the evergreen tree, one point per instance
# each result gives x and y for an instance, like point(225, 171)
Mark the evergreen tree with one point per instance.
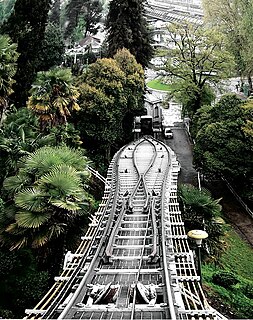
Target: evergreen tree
point(8, 58)
point(79, 11)
point(5, 9)
point(53, 48)
point(26, 27)
point(127, 27)
point(55, 13)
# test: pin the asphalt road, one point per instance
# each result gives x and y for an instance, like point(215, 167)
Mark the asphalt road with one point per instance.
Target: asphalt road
point(182, 146)
point(234, 213)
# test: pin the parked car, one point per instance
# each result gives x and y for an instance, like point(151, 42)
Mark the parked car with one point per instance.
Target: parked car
point(168, 133)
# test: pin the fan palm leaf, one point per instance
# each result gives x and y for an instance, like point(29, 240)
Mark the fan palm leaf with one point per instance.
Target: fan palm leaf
point(30, 219)
point(40, 240)
point(75, 106)
point(199, 202)
point(15, 184)
point(61, 181)
point(8, 58)
point(66, 204)
point(60, 102)
point(18, 244)
point(31, 199)
point(49, 233)
point(42, 160)
point(51, 199)
point(53, 88)
point(56, 229)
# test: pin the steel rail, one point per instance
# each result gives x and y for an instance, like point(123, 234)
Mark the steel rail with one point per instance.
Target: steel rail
point(90, 268)
point(57, 292)
point(169, 291)
point(155, 229)
point(59, 288)
point(109, 247)
point(141, 176)
point(139, 269)
point(146, 172)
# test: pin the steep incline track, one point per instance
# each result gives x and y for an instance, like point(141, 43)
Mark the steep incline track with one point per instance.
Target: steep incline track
point(134, 262)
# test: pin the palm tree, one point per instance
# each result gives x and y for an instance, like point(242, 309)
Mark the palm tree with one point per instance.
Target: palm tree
point(50, 197)
point(8, 58)
point(200, 211)
point(53, 96)
point(20, 135)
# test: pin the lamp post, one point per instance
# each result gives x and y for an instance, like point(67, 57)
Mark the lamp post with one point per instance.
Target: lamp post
point(198, 236)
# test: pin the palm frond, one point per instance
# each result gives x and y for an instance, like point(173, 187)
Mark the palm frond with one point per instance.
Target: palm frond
point(30, 219)
point(43, 159)
point(60, 102)
point(19, 244)
point(40, 240)
point(62, 180)
point(75, 106)
point(56, 230)
point(15, 184)
point(30, 199)
point(66, 204)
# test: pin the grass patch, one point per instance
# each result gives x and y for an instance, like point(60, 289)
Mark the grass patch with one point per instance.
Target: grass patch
point(158, 85)
point(236, 300)
point(238, 257)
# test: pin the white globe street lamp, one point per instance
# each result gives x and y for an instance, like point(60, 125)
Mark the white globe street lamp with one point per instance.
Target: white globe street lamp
point(198, 236)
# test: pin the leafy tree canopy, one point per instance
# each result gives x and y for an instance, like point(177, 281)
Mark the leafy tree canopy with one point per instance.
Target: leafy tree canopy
point(234, 19)
point(55, 12)
point(102, 103)
point(6, 8)
point(20, 135)
point(224, 140)
point(110, 93)
point(53, 48)
point(84, 12)
point(196, 58)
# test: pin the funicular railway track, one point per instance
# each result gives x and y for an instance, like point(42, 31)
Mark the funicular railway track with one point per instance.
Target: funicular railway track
point(134, 262)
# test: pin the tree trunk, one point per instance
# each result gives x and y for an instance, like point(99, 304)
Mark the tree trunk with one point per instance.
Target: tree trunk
point(250, 83)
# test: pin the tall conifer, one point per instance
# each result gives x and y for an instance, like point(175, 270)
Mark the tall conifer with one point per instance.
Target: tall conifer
point(26, 27)
point(54, 16)
point(88, 10)
point(128, 28)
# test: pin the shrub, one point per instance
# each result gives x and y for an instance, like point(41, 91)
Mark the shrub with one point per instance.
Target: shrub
point(247, 289)
point(225, 279)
